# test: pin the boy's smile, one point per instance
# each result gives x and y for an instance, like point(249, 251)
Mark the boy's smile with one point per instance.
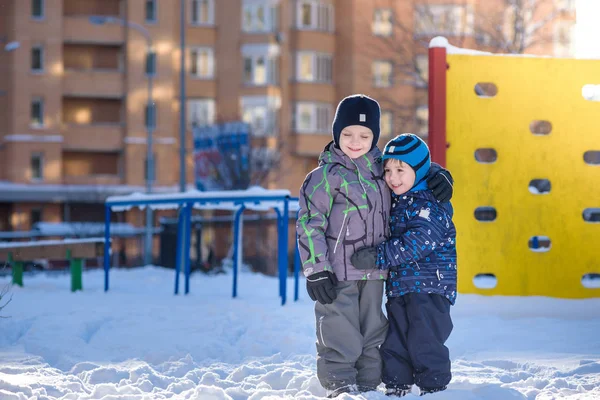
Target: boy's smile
point(399, 176)
point(356, 141)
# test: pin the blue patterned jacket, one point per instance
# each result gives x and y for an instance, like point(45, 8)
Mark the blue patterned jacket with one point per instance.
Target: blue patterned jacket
point(421, 251)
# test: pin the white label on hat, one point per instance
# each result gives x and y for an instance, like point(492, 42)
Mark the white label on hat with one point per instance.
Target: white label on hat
point(391, 149)
point(362, 117)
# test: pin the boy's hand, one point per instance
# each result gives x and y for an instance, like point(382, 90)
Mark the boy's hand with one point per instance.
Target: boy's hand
point(321, 287)
point(441, 185)
point(365, 258)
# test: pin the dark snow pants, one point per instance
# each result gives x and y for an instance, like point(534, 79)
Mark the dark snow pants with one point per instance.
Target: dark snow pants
point(414, 350)
point(349, 333)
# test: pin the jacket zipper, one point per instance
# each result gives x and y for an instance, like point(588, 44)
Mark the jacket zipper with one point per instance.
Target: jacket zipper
point(340, 233)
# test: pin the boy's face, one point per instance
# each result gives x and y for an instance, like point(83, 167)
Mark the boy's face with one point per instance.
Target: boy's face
point(398, 175)
point(356, 140)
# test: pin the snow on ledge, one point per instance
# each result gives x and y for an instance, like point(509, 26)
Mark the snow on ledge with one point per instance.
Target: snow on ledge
point(208, 200)
point(440, 41)
point(32, 243)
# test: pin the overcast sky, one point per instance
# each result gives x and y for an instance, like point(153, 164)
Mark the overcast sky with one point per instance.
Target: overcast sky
point(587, 31)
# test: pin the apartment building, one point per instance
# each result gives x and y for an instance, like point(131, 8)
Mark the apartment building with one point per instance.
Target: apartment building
point(74, 103)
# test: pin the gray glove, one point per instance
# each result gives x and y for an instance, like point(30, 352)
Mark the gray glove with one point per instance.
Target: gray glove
point(365, 258)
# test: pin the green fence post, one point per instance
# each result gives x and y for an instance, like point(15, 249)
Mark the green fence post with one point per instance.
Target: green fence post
point(76, 272)
point(17, 270)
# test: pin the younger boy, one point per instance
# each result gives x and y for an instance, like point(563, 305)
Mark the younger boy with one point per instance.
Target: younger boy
point(421, 258)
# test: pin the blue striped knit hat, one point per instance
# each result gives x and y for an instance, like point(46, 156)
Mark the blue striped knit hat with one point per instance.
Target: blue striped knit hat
point(412, 150)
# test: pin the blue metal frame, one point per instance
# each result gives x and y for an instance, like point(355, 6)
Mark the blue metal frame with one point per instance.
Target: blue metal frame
point(179, 250)
point(186, 248)
point(184, 235)
point(296, 264)
point(236, 242)
point(106, 245)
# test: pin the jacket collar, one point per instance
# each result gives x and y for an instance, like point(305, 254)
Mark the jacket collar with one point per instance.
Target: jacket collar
point(334, 155)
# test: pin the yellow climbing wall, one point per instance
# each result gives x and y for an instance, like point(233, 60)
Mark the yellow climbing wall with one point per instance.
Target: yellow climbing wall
point(528, 89)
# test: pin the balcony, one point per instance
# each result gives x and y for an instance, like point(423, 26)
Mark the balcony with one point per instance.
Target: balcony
point(93, 83)
point(96, 137)
point(91, 167)
point(97, 180)
point(311, 145)
point(78, 29)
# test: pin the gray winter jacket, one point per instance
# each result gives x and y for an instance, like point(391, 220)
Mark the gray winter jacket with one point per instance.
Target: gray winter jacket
point(344, 205)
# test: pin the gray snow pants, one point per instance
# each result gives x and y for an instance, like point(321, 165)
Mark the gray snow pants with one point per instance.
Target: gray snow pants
point(349, 333)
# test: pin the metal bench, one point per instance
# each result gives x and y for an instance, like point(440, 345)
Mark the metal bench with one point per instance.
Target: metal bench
point(74, 250)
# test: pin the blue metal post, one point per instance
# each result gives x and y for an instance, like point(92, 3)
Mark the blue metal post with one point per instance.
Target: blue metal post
point(279, 247)
point(296, 266)
point(180, 244)
point(285, 224)
point(236, 250)
point(106, 245)
point(186, 248)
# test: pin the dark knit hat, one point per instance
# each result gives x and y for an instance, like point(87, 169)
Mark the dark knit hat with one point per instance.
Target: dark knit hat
point(357, 109)
point(412, 150)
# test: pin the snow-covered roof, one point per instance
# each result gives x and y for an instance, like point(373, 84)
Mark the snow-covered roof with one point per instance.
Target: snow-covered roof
point(254, 198)
point(25, 192)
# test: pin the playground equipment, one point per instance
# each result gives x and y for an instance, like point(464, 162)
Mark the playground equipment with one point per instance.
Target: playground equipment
point(74, 250)
point(257, 199)
point(522, 143)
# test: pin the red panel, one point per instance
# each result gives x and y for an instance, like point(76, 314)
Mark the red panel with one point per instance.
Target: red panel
point(437, 104)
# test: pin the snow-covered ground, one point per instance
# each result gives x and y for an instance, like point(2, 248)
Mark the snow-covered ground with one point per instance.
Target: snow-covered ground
point(139, 341)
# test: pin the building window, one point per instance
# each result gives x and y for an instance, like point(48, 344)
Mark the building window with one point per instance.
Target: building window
point(314, 15)
point(566, 5)
point(564, 43)
point(314, 67)
point(37, 59)
point(200, 112)
point(37, 166)
point(382, 22)
point(260, 70)
point(313, 117)
point(443, 19)
point(151, 11)
point(37, 112)
point(514, 19)
point(261, 64)
point(255, 70)
point(259, 17)
point(382, 74)
point(387, 123)
point(150, 112)
point(202, 62)
point(35, 216)
point(422, 115)
point(151, 63)
point(203, 12)
point(422, 70)
point(261, 113)
point(37, 9)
